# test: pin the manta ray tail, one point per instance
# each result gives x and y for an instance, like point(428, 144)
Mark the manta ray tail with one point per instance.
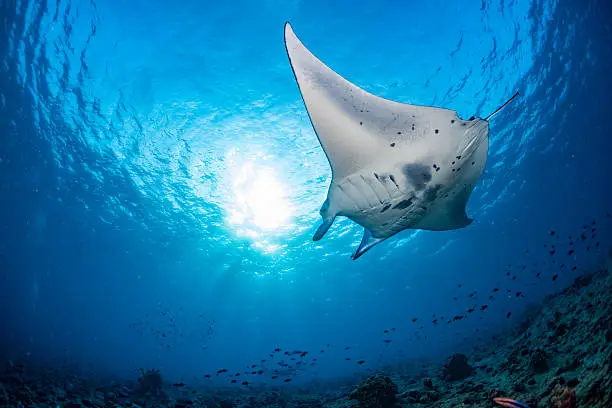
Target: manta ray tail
point(502, 107)
point(367, 242)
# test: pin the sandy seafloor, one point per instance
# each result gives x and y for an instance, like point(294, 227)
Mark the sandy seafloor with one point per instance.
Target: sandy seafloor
point(559, 356)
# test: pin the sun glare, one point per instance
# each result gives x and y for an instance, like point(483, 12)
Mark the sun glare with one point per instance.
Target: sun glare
point(260, 201)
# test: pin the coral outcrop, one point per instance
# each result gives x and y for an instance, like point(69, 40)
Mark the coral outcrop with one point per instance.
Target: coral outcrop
point(457, 368)
point(150, 384)
point(563, 397)
point(375, 392)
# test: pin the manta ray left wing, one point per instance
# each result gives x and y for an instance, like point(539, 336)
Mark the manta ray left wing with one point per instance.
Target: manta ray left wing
point(353, 125)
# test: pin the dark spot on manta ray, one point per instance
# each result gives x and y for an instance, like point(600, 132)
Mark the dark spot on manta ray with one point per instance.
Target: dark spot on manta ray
point(431, 193)
point(453, 162)
point(417, 174)
point(385, 208)
point(392, 144)
point(403, 204)
point(473, 163)
point(393, 180)
point(452, 120)
point(436, 131)
point(458, 157)
point(361, 123)
point(399, 133)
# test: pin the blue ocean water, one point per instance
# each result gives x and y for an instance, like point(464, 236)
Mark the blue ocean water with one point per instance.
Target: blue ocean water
point(160, 181)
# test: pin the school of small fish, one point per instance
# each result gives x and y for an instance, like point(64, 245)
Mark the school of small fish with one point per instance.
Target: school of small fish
point(283, 365)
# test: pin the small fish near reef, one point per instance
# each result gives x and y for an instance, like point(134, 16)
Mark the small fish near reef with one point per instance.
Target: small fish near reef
point(509, 403)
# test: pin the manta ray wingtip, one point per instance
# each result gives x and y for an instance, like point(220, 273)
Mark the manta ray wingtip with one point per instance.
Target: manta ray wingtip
point(291, 39)
point(288, 30)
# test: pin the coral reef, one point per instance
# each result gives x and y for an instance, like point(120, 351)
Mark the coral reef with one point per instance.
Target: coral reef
point(150, 382)
point(375, 392)
point(558, 356)
point(539, 361)
point(457, 368)
point(563, 397)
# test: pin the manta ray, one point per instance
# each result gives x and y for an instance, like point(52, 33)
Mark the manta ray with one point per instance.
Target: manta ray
point(395, 166)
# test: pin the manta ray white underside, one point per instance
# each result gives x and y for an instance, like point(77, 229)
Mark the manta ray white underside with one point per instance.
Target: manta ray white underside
point(394, 166)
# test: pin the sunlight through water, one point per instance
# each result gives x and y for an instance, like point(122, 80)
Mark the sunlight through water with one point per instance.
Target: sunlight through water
point(259, 205)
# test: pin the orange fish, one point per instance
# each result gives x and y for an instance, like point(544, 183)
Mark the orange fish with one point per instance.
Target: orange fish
point(509, 403)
